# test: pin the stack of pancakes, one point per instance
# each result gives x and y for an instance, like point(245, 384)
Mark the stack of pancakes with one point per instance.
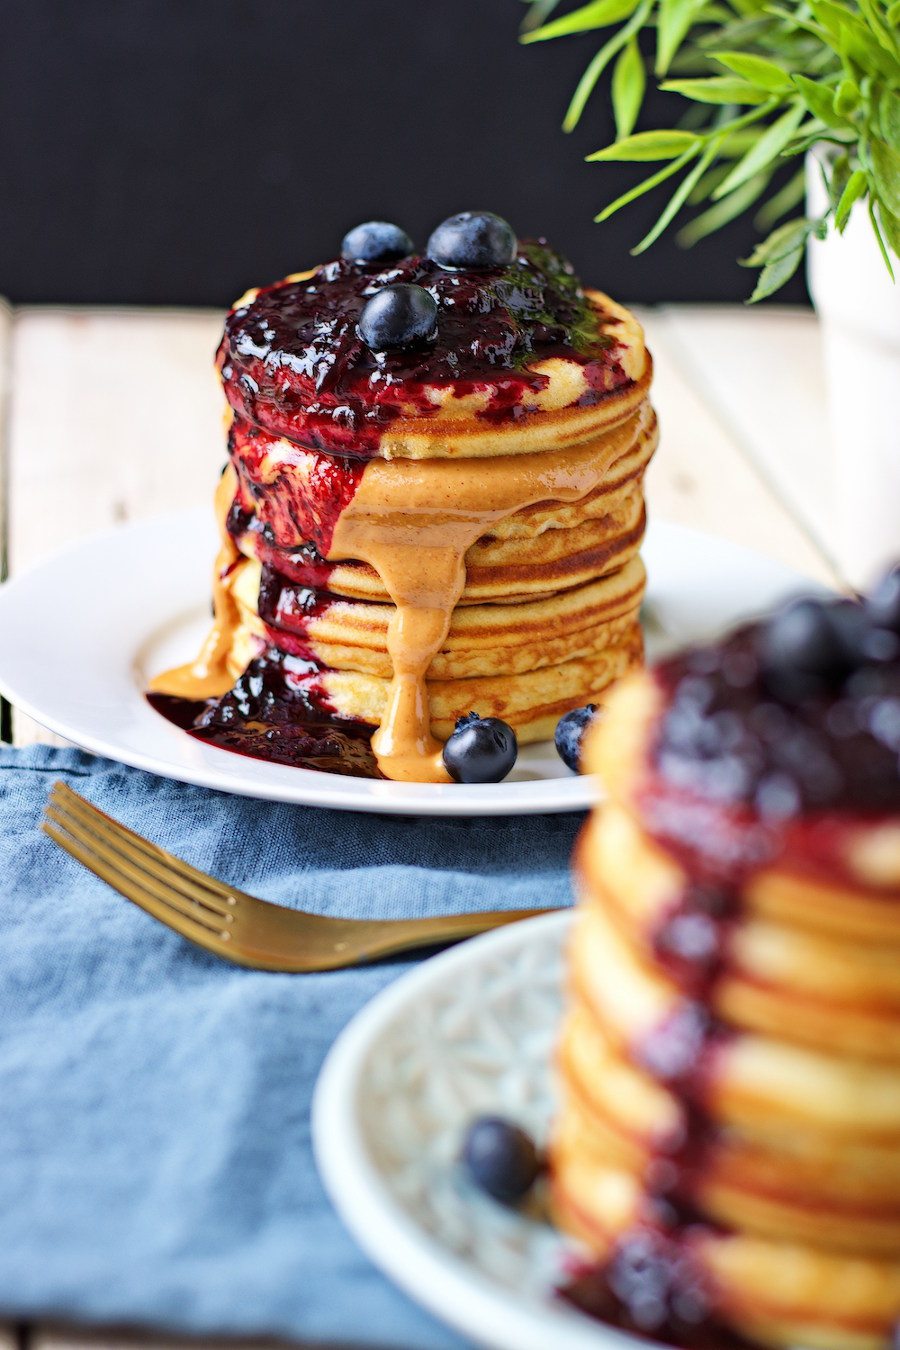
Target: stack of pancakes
point(500, 515)
point(728, 1145)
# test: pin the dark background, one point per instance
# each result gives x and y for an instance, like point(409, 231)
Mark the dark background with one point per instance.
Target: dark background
point(176, 151)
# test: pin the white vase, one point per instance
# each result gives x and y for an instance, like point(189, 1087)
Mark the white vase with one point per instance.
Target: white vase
point(859, 309)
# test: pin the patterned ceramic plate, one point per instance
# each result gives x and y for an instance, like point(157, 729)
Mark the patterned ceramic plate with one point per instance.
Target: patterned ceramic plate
point(468, 1032)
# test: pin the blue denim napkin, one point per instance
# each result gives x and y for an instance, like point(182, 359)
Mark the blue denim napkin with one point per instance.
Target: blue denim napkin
point(155, 1159)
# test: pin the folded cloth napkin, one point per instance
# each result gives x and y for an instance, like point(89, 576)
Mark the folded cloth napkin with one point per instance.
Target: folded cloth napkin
point(155, 1159)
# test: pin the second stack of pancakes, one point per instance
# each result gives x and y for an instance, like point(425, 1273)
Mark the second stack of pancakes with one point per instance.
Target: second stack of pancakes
point(728, 1145)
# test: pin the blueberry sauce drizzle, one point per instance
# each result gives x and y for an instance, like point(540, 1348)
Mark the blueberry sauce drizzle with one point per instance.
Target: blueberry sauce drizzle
point(726, 739)
point(302, 504)
point(293, 363)
point(651, 1287)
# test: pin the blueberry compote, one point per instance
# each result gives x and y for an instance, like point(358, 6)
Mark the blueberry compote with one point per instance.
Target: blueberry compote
point(292, 360)
point(276, 712)
point(651, 1286)
point(304, 500)
point(772, 744)
point(756, 758)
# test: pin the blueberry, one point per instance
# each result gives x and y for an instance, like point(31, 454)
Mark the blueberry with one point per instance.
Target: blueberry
point(398, 316)
point(569, 736)
point(473, 239)
point(883, 605)
point(809, 647)
point(500, 1158)
point(377, 241)
point(480, 750)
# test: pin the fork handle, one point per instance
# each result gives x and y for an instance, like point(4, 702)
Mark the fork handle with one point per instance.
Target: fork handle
point(403, 935)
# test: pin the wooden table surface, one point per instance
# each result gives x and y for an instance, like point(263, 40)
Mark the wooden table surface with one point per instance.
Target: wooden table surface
point(108, 416)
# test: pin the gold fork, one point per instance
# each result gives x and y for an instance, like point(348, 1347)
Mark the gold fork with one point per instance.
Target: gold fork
point(224, 920)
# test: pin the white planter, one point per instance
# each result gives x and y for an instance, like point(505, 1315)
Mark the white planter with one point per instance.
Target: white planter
point(859, 310)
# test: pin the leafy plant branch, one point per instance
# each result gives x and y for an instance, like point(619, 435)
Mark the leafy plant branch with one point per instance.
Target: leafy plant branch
point(765, 82)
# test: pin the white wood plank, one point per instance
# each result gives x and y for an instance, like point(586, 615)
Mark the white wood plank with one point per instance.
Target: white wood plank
point(116, 415)
point(761, 372)
point(702, 475)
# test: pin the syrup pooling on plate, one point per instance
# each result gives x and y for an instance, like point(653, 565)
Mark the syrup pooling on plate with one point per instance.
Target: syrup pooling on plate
point(274, 712)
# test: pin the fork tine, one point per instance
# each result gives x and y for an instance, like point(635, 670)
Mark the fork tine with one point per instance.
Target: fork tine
point(108, 854)
point(160, 891)
point(209, 938)
point(150, 857)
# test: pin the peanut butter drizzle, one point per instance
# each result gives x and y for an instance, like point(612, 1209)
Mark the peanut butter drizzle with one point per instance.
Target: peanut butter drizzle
point(208, 676)
point(413, 521)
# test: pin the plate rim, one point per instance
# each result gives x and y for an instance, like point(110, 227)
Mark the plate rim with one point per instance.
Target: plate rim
point(297, 786)
point(433, 1277)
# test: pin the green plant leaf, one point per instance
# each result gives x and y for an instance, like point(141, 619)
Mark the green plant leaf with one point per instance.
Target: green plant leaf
point(775, 274)
point(830, 16)
point(801, 25)
point(674, 19)
point(538, 13)
point(711, 179)
point(853, 37)
point(739, 32)
point(647, 184)
point(764, 74)
point(601, 60)
point(784, 200)
point(889, 116)
point(886, 173)
point(716, 89)
point(877, 26)
point(780, 243)
point(840, 176)
point(893, 14)
point(846, 98)
point(628, 84)
point(891, 227)
point(820, 101)
point(729, 208)
point(648, 145)
point(597, 14)
point(678, 198)
point(770, 144)
point(855, 188)
point(880, 237)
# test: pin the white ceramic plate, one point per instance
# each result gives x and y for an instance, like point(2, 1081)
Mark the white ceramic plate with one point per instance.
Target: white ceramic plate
point(81, 634)
point(467, 1033)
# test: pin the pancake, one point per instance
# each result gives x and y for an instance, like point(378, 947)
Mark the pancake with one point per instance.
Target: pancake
point(730, 1105)
point(524, 662)
point(415, 533)
point(541, 547)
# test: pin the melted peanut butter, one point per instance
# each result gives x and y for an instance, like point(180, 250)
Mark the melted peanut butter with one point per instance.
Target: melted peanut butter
point(413, 521)
point(209, 676)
